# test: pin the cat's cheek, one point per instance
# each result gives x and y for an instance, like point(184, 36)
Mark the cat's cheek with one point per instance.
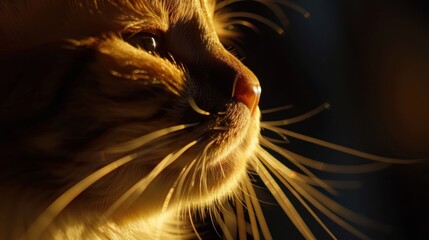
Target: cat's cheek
point(128, 64)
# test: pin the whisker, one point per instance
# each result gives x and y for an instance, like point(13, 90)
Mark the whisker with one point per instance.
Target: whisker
point(285, 154)
point(52, 211)
point(285, 203)
point(277, 109)
point(316, 198)
point(284, 179)
point(278, 12)
point(138, 142)
point(295, 7)
point(176, 185)
point(277, 141)
point(257, 207)
point(244, 23)
point(313, 198)
point(171, 191)
point(270, 4)
point(241, 222)
point(343, 211)
point(219, 128)
point(226, 233)
point(245, 191)
point(193, 225)
point(229, 217)
point(135, 191)
point(195, 107)
point(251, 212)
point(297, 119)
point(340, 148)
point(183, 178)
point(257, 18)
point(55, 208)
point(211, 213)
point(202, 163)
point(335, 168)
point(310, 180)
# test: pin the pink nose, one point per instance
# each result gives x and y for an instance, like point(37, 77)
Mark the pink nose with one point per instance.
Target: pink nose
point(247, 92)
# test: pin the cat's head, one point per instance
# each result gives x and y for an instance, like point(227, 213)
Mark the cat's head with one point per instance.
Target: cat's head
point(142, 93)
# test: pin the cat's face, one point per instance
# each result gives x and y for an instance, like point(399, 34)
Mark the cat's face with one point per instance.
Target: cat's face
point(143, 91)
point(130, 119)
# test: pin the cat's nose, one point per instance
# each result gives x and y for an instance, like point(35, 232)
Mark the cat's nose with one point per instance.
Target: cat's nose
point(247, 91)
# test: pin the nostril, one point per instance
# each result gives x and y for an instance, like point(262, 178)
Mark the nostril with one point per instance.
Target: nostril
point(246, 91)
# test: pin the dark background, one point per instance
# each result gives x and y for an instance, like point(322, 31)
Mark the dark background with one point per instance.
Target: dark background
point(370, 61)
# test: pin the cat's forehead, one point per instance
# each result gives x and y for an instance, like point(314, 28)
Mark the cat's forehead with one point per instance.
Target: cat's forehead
point(174, 10)
point(77, 19)
point(142, 15)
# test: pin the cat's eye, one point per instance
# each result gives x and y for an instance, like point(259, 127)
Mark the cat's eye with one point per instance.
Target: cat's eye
point(143, 40)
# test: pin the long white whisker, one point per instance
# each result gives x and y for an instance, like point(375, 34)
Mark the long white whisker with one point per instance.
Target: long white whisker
point(226, 233)
point(172, 190)
point(339, 148)
point(313, 199)
point(219, 128)
point(244, 23)
point(182, 175)
point(277, 109)
point(276, 141)
point(285, 180)
point(193, 225)
point(250, 211)
point(284, 202)
point(138, 142)
point(258, 210)
point(294, 6)
point(211, 213)
point(310, 180)
point(135, 191)
point(335, 168)
point(183, 178)
point(280, 14)
point(202, 163)
point(255, 17)
point(341, 210)
point(316, 198)
point(286, 3)
point(297, 119)
point(229, 217)
point(241, 221)
point(285, 154)
point(55, 208)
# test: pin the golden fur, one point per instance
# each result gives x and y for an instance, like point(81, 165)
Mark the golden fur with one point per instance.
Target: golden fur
point(92, 90)
point(103, 139)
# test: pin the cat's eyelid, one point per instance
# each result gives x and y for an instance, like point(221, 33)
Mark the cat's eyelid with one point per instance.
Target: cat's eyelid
point(130, 32)
point(150, 41)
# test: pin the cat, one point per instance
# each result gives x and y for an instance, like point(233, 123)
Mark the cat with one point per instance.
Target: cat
point(130, 119)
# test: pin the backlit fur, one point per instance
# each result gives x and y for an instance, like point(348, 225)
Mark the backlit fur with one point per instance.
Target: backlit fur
point(101, 139)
